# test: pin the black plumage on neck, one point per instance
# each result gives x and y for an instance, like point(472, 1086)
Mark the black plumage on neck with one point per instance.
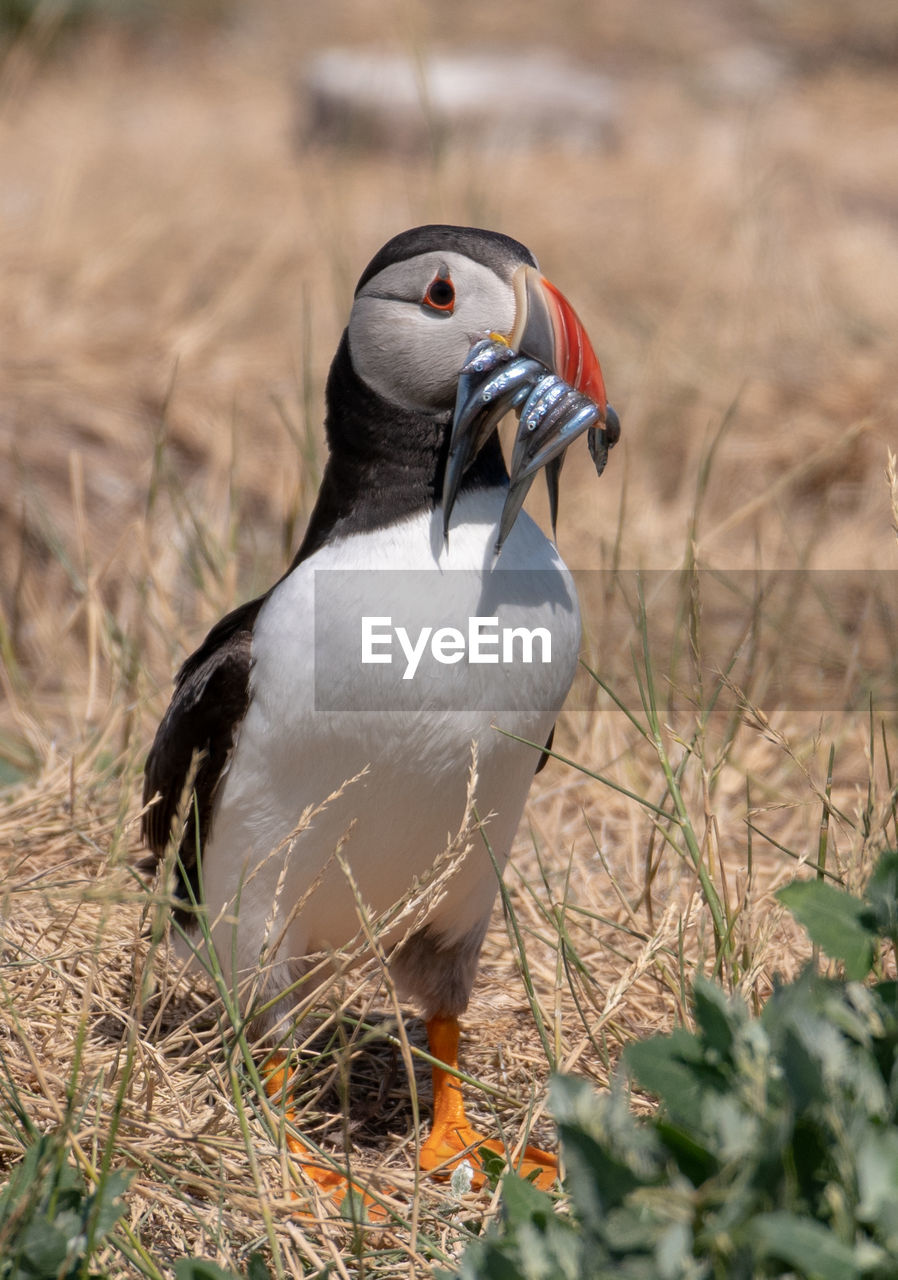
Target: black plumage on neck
point(385, 462)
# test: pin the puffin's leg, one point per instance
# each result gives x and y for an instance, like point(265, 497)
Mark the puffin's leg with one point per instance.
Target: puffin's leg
point(276, 1075)
point(452, 1137)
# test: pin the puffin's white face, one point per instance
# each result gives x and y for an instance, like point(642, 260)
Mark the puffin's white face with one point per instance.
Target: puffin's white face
point(413, 323)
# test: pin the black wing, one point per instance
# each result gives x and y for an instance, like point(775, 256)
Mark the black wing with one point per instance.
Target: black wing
point(197, 731)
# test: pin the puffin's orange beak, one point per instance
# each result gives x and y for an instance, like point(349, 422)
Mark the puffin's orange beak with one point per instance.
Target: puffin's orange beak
point(548, 328)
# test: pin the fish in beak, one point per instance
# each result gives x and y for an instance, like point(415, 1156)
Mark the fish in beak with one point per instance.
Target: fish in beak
point(547, 371)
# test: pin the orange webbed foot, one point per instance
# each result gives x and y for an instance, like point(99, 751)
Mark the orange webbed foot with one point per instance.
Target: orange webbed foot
point(453, 1138)
point(445, 1149)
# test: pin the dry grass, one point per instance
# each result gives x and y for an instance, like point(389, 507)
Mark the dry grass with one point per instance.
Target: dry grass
point(175, 279)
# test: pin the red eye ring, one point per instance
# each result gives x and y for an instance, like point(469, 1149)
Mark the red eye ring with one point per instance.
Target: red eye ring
point(440, 295)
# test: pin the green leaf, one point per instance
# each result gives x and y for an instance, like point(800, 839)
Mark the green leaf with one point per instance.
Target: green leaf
point(534, 1243)
point(43, 1247)
point(693, 1158)
point(718, 1018)
point(808, 1246)
point(882, 894)
point(674, 1252)
point(802, 1069)
point(835, 920)
point(494, 1165)
point(201, 1269)
point(522, 1201)
point(108, 1198)
point(877, 1176)
point(21, 1178)
point(596, 1182)
point(574, 1100)
point(256, 1268)
point(733, 1128)
point(629, 1232)
point(659, 1066)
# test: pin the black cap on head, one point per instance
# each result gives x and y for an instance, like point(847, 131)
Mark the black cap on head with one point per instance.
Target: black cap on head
point(488, 247)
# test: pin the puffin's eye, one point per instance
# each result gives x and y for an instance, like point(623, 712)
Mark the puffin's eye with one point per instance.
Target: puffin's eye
point(440, 295)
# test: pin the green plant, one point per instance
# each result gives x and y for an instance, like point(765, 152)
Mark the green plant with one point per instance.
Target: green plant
point(51, 1225)
point(201, 1269)
point(774, 1151)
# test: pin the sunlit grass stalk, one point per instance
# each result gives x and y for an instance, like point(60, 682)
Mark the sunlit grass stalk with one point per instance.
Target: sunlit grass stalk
point(790, 853)
point(823, 838)
point(649, 702)
point(517, 941)
point(892, 785)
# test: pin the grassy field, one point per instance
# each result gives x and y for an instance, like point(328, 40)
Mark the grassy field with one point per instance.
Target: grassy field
point(177, 262)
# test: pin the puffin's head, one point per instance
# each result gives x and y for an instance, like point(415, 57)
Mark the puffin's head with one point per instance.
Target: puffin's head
point(454, 316)
point(431, 292)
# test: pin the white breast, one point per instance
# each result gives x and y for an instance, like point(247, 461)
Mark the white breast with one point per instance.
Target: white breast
point(320, 715)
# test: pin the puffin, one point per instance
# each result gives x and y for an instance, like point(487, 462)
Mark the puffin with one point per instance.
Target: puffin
point(391, 696)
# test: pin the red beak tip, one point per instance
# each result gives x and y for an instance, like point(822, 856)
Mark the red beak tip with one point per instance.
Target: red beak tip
point(576, 361)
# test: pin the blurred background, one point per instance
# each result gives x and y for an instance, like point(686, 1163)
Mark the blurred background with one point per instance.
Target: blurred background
point(188, 192)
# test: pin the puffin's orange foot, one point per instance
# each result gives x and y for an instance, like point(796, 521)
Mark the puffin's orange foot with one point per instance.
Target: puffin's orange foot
point(335, 1185)
point(448, 1146)
point(453, 1138)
